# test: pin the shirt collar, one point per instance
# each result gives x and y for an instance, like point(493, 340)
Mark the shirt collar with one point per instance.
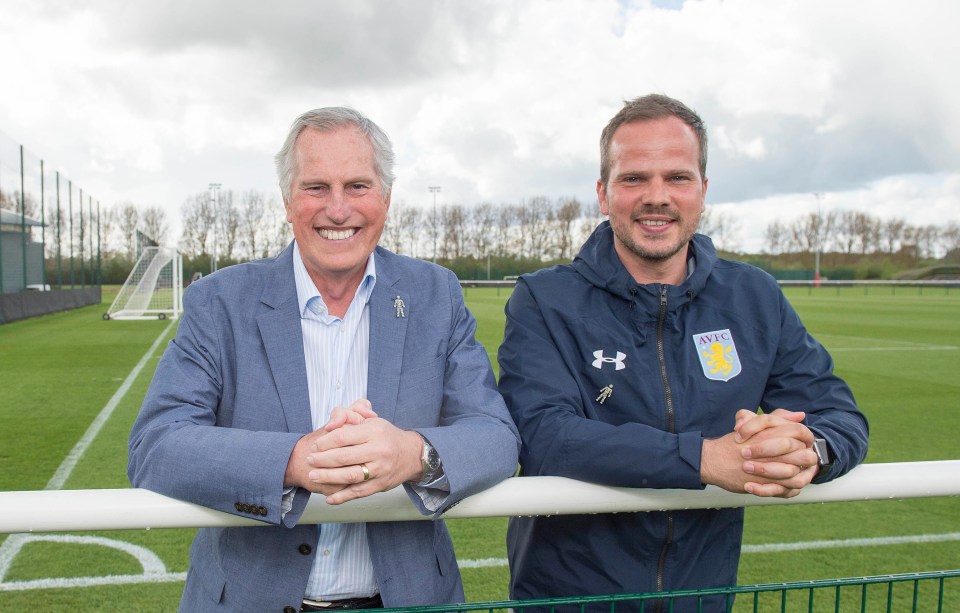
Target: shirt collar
point(307, 291)
point(691, 261)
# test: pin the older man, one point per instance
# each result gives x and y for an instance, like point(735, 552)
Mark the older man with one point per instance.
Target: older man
point(643, 363)
point(336, 369)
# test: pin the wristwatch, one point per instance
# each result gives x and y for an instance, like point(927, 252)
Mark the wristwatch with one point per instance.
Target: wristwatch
point(430, 461)
point(824, 459)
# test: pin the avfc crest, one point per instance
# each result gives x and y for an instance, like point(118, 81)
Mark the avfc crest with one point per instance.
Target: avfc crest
point(718, 355)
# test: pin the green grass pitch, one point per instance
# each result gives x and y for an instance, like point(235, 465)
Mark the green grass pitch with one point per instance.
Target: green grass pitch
point(898, 348)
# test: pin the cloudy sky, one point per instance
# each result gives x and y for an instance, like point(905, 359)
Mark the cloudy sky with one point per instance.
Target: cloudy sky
point(496, 100)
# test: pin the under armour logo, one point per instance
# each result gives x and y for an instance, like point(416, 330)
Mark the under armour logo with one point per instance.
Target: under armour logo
point(600, 361)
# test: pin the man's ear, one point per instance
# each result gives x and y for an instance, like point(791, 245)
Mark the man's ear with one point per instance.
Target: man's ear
point(602, 197)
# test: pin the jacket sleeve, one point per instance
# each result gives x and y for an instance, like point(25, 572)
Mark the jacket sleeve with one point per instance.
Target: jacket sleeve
point(559, 438)
point(178, 445)
point(475, 438)
point(802, 379)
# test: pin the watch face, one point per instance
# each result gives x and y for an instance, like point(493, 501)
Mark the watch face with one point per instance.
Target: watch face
point(823, 453)
point(433, 458)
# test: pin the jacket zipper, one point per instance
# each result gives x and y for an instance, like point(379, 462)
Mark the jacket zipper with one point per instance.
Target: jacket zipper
point(671, 426)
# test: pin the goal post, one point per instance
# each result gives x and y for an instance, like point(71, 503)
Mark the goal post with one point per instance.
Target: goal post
point(153, 289)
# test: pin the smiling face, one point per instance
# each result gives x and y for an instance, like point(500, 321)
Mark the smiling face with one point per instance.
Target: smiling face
point(654, 197)
point(336, 205)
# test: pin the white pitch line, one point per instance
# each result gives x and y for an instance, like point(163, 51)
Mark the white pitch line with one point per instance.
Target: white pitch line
point(10, 546)
point(901, 348)
point(65, 582)
point(780, 547)
point(167, 577)
point(865, 542)
point(70, 462)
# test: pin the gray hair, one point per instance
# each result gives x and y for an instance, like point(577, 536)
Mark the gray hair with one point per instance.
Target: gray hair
point(325, 120)
point(648, 108)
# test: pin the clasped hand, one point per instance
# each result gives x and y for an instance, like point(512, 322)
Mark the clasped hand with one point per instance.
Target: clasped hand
point(769, 454)
point(331, 460)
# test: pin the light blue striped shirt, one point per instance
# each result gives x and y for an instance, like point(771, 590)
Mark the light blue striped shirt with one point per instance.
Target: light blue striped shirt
point(336, 352)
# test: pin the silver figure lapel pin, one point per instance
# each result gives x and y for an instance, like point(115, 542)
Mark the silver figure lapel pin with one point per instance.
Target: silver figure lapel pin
point(605, 393)
point(399, 306)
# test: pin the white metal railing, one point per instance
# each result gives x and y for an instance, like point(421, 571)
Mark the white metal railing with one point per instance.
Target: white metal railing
point(116, 509)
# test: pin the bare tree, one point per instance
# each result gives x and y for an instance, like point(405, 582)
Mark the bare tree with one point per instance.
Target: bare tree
point(228, 224)
point(506, 217)
point(108, 226)
point(453, 220)
point(411, 230)
point(483, 219)
point(278, 233)
point(927, 239)
point(568, 211)
point(253, 208)
point(55, 222)
point(13, 202)
point(854, 231)
point(392, 237)
point(588, 224)
point(808, 232)
point(433, 226)
point(775, 235)
point(128, 219)
point(533, 218)
point(196, 214)
point(891, 233)
point(155, 223)
point(866, 231)
point(950, 239)
point(721, 227)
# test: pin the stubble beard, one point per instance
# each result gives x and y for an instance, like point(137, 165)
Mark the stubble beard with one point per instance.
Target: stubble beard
point(647, 254)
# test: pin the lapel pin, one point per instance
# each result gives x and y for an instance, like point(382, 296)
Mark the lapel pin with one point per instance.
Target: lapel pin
point(605, 393)
point(399, 306)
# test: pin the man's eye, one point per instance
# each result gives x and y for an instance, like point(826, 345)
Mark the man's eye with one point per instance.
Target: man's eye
point(357, 188)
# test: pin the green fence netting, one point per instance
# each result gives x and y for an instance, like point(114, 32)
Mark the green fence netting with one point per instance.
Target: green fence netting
point(917, 592)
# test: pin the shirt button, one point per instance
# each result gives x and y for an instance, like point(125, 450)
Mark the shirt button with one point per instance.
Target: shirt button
point(326, 552)
point(305, 549)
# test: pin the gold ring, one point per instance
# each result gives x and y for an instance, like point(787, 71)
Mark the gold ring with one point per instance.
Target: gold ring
point(366, 472)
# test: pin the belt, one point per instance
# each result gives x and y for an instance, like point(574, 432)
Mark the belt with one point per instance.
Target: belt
point(368, 602)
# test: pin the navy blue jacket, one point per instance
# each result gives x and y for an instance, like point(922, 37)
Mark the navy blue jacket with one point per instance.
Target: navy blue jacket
point(681, 361)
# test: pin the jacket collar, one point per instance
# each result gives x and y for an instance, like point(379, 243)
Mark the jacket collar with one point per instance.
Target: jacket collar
point(282, 339)
point(599, 263)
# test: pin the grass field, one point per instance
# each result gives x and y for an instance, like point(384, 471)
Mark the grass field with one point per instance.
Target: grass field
point(899, 350)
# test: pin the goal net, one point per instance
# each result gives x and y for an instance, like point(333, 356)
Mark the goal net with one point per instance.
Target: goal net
point(153, 289)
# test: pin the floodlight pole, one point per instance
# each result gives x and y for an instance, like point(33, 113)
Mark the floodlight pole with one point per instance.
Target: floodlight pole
point(215, 197)
point(816, 260)
point(436, 229)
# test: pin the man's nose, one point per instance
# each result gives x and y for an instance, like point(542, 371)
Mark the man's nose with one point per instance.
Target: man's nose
point(657, 193)
point(338, 209)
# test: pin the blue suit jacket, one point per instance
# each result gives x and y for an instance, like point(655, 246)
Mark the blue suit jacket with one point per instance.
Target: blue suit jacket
point(229, 401)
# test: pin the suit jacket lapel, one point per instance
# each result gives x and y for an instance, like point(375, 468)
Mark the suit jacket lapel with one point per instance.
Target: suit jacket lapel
point(282, 340)
point(387, 334)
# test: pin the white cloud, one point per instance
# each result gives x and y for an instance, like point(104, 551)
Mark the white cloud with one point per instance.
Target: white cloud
point(918, 200)
point(491, 100)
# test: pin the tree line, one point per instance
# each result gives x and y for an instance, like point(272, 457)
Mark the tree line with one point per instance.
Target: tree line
point(244, 225)
point(859, 233)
